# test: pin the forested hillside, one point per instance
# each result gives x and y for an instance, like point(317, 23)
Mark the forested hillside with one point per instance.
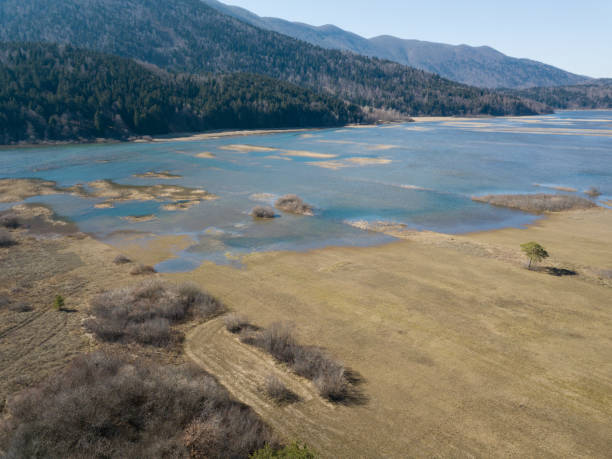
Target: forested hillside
point(596, 94)
point(480, 66)
point(187, 35)
point(57, 92)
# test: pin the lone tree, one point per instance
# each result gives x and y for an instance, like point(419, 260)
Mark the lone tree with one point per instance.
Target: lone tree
point(58, 304)
point(535, 252)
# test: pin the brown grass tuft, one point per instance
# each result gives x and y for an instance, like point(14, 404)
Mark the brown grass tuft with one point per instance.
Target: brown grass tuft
point(139, 270)
point(121, 260)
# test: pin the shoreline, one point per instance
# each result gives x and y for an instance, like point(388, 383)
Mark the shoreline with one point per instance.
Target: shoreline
point(401, 234)
point(181, 136)
point(229, 133)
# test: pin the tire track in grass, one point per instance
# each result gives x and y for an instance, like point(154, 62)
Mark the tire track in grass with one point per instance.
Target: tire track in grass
point(243, 369)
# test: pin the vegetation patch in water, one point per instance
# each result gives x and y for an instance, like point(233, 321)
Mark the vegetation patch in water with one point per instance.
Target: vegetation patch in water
point(537, 203)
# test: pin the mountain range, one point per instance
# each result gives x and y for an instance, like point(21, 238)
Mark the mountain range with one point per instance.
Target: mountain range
point(480, 66)
point(190, 36)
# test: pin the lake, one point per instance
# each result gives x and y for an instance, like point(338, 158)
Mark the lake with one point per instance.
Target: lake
point(419, 174)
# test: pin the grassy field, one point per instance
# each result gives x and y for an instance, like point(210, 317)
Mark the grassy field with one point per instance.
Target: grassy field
point(35, 339)
point(464, 352)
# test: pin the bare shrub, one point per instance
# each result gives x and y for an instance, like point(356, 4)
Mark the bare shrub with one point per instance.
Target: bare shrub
point(263, 212)
point(235, 323)
point(105, 405)
point(593, 192)
point(310, 362)
point(201, 304)
point(4, 301)
point(277, 391)
point(293, 204)
point(537, 203)
point(6, 240)
point(121, 260)
point(21, 307)
point(10, 221)
point(332, 383)
point(142, 270)
point(145, 313)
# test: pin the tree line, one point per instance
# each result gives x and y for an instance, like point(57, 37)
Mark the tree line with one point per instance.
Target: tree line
point(58, 92)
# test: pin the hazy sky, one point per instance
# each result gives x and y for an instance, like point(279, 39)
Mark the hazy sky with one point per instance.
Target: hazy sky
point(575, 35)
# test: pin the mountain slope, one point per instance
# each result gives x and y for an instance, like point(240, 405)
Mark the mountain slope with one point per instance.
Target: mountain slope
point(477, 66)
point(595, 94)
point(56, 92)
point(187, 35)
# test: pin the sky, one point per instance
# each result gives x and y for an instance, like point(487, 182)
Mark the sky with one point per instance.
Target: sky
point(571, 34)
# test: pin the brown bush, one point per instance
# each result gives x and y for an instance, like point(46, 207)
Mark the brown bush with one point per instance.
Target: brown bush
point(121, 260)
point(105, 405)
point(145, 313)
point(235, 323)
point(263, 212)
point(310, 362)
point(277, 391)
point(199, 303)
point(10, 221)
point(293, 204)
point(21, 307)
point(142, 269)
point(6, 240)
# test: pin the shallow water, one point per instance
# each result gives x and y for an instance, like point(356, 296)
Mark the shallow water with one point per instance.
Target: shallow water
point(421, 174)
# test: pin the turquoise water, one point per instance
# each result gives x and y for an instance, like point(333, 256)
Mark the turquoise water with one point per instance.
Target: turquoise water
point(424, 176)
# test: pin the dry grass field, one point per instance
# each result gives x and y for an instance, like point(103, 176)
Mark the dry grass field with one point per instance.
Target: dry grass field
point(463, 351)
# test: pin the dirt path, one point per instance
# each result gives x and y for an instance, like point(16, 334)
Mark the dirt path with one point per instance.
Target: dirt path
point(243, 369)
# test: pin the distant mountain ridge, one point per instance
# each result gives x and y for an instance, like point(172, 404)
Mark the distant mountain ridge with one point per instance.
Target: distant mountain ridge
point(480, 66)
point(189, 36)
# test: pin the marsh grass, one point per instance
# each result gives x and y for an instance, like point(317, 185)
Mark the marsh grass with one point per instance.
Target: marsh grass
point(537, 203)
point(292, 203)
point(593, 192)
point(263, 212)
